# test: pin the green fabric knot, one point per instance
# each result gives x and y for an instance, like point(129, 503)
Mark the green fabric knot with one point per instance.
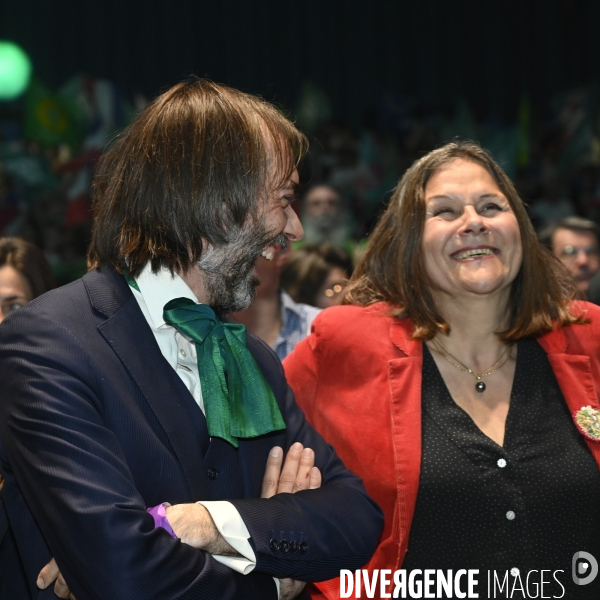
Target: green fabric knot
point(238, 401)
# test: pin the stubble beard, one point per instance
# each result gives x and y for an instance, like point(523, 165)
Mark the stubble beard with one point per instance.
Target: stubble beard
point(228, 270)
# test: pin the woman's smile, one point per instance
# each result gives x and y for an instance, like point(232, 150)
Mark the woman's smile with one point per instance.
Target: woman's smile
point(474, 253)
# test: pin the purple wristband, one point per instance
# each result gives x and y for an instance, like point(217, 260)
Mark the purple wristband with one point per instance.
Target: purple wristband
point(159, 514)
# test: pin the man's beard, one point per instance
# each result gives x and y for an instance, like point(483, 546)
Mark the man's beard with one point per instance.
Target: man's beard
point(228, 270)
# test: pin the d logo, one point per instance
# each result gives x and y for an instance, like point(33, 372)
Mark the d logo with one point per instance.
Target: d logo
point(585, 568)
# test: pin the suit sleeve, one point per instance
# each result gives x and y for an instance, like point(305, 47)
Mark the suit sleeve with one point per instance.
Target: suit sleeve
point(69, 485)
point(339, 524)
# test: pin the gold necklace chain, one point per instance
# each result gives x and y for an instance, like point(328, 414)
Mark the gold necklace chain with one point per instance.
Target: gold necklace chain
point(456, 363)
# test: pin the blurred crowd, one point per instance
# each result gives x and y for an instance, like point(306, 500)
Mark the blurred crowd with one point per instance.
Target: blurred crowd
point(50, 142)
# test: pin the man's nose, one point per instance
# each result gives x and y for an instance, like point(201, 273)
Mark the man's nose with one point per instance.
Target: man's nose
point(581, 258)
point(293, 228)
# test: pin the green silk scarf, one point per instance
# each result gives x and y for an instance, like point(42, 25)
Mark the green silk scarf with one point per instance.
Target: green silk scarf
point(238, 401)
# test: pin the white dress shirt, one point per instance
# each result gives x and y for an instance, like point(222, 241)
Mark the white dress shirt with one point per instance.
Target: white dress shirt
point(180, 353)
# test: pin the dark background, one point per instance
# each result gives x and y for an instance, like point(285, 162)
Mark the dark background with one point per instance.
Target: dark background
point(488, 52)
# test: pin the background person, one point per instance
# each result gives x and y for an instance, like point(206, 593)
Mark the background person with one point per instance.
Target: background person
point(24, 275)
point(325, 217)
point(317, 275)
point(460, 352)
point(576, 243)
point(274, 316)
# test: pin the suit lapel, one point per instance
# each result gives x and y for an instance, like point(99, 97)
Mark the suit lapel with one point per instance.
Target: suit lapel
point(574, 375)
point(129, 335)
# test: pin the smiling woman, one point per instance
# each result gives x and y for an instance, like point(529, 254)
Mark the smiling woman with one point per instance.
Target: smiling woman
point(455, 379)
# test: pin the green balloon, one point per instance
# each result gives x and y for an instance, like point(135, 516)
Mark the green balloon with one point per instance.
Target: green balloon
point(15, 70)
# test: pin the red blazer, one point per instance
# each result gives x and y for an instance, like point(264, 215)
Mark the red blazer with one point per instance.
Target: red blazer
point(358, 379)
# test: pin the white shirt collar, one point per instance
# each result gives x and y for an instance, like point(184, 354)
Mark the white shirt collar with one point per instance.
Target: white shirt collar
point(160, 288)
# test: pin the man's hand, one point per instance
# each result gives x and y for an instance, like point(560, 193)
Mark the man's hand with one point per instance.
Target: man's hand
point(51, 573)
point(298, 473)
point(290, 588)
point(194, 526)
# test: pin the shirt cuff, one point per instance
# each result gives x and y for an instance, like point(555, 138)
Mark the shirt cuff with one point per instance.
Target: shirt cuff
point(234, 531)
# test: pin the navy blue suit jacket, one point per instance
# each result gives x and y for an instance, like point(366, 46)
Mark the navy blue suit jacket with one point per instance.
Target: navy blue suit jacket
point(95, 426)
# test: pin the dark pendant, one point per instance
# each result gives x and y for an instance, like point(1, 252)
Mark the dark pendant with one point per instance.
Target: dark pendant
point(480, 386)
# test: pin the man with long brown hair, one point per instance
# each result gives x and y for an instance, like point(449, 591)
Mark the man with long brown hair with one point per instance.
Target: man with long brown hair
point(133, 418)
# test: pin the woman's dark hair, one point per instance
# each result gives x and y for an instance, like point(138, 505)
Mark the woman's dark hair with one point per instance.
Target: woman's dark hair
point(392, 268)
point(194, 165)
point(29, 261)
point(308, 267)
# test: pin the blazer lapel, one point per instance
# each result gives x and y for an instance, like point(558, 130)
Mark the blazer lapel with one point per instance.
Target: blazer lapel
point(128, 333)
point(574, 375)
point(405, 379)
